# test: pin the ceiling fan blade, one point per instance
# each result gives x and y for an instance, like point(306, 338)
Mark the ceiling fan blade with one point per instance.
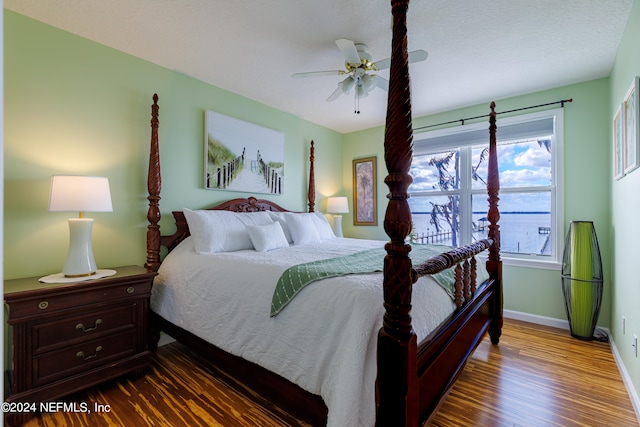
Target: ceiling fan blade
point(318, 73)
point(418, 55)
point(383, 64)
point(335, 94)
point(414, 56)
point(381, 82)
point(349, 51)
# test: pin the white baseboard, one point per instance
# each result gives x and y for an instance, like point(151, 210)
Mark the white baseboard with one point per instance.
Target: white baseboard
point(635, 399)
point(538, 320)
point(564, 324)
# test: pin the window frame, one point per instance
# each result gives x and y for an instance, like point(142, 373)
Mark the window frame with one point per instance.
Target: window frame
point(553, 261)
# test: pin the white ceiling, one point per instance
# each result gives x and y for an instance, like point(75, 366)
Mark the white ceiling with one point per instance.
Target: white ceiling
point(479, 50)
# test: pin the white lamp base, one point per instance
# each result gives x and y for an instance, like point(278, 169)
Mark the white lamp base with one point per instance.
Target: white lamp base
point(337, 225)
point(80, 262)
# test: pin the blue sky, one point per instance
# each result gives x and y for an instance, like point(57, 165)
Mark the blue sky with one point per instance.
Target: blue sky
point(521, 163)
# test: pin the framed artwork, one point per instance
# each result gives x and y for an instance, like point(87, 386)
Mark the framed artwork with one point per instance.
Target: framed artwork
point(618, 144)
point(242, 156)
point(631, 137)
point(364, 192)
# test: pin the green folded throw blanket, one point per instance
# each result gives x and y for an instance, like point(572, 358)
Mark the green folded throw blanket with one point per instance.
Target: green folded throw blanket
point(295, 278)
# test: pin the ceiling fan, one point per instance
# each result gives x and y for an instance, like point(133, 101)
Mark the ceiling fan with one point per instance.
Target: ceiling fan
point(358, 65)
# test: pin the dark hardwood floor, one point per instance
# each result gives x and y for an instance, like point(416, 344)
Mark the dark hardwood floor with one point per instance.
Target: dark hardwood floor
point(537, 376)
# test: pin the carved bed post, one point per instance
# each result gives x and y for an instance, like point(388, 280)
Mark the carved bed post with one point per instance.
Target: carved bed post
point(494, 264)
point(397, 381)
point(311, 195)
point(154, 184)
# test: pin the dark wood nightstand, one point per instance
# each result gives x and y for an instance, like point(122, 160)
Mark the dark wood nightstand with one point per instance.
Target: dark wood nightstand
point(70, 336)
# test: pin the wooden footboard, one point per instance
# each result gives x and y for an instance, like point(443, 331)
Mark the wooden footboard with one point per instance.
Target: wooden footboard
point(443, 355)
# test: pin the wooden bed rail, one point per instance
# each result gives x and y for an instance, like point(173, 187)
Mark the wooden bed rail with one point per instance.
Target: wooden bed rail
point(455, 256)
point(463, 258)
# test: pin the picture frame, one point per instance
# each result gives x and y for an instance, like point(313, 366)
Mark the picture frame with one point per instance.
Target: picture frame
point(618, 143)
point(630, 109)
point(242, 156)
point(365, 209)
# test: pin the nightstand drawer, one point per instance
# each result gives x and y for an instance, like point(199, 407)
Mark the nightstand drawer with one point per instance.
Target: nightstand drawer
point(32, 306)
point(72, 330)
point(63, 363)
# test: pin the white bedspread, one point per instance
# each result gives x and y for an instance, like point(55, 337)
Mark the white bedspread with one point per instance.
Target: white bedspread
point(324, 340)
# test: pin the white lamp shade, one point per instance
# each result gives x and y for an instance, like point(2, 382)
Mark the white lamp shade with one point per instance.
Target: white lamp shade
point(337, 205)
point(79, 194)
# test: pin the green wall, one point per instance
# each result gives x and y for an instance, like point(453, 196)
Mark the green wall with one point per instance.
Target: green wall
point(73, 106)
point(625, 223)
point(586, 179)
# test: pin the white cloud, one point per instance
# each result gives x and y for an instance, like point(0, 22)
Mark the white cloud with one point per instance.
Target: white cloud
point(534, 157)
point(525, 177)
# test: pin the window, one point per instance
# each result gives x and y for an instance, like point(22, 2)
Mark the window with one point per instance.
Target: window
point(449, 197)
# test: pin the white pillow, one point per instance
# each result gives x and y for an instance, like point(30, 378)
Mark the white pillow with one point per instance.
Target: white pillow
point(267, 237)
point(280, 217)
point(303, 231)
point(222, 231)
point(322, 225)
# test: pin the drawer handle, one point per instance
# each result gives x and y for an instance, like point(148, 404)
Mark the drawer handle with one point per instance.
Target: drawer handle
point(81, 326)
point(43, 305)
point(130, 289)
point(81, 354)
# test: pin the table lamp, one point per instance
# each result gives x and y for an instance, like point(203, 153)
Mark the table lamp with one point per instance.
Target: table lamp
point(337, 206)
point(79, 194)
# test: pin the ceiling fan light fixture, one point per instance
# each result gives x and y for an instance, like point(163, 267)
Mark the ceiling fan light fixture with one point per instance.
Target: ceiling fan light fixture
point(368, 82)
point(361, 91)
point(347, 84)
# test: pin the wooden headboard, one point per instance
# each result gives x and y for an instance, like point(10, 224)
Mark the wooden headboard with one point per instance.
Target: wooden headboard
point(250, 204)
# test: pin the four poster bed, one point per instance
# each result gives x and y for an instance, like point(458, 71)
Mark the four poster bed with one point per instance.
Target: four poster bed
point(391, 356)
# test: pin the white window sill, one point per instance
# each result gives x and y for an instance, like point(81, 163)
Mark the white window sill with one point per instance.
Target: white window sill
point(532, 262)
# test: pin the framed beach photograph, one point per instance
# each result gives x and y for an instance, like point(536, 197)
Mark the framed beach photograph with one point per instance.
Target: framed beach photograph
point(364, 191)
point(631, 136)
point(242, 156)
point(618, 144)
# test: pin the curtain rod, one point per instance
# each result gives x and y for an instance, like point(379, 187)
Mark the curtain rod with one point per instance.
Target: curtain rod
point(501, 112)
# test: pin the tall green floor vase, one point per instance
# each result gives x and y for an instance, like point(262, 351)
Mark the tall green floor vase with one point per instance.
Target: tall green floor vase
point(582, 279)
